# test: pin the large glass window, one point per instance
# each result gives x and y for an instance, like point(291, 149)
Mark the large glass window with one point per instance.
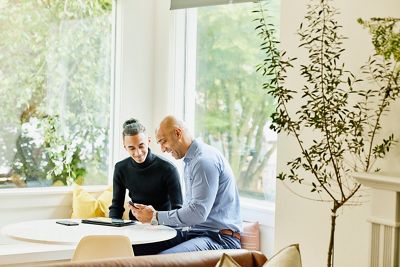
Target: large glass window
point(224, 95)
point(55, 83)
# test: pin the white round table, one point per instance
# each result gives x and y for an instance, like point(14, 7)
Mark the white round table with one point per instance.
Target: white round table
point(48, 231)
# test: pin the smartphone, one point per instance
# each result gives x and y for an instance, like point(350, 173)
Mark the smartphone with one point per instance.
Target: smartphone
point(67, 223)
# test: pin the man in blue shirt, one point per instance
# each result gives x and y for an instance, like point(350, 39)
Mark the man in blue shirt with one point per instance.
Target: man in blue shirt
point(210, 215)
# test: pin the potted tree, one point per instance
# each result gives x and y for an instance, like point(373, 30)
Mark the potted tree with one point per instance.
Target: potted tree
point(343, 115)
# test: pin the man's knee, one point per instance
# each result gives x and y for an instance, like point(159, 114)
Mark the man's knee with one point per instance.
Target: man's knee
point(194, 244)
point(156, 248)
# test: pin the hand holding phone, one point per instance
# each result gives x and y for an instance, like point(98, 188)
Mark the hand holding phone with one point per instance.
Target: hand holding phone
point(136, 205)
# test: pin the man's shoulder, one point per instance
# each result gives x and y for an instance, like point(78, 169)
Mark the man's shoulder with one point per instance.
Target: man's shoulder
point(207, 156)
point(204, 148)
point(206, 152)
point(164, 161)
point(123, 163)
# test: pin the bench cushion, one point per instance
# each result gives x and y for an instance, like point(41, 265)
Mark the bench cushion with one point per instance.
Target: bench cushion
point(250, 237)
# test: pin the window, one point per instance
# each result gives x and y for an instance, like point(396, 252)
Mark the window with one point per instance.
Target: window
point(222, 92)
point(55, 84)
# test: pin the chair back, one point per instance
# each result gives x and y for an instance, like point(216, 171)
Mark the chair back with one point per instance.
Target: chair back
point(102, 246)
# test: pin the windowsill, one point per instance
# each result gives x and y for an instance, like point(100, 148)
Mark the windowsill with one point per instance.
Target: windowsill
point(261, 205)
point(258, 210)
point(16, 192)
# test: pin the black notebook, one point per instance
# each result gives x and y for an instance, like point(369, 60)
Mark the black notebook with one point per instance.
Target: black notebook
point(108, 221)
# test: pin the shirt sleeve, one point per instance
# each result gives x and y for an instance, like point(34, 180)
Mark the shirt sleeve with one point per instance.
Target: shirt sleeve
point(119, 189)
point(204, 180)
point(174, 189)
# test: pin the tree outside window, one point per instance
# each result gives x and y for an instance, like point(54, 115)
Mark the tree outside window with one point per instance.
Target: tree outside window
point(231, 111)
point(55, 83)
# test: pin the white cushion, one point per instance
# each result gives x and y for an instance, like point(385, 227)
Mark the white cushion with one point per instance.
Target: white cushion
point(286, 257)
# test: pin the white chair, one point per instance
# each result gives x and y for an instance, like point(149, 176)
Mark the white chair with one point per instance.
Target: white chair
point(102, 246)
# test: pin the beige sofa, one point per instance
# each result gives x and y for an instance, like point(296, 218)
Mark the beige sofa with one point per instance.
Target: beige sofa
point(210, 258)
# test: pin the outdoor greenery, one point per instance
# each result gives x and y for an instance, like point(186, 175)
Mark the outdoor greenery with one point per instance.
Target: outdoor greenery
point(385, 36)
point(341, 114)
point(230, 110)
point(55, 78)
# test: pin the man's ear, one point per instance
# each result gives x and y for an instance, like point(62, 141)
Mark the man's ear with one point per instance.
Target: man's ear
point(178, 132)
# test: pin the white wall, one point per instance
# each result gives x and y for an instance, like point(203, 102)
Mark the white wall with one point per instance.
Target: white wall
point(163, 101)
point(134, 67)
point(307, 222)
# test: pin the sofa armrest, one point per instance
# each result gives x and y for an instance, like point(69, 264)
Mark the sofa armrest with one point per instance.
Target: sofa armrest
point(192, 259)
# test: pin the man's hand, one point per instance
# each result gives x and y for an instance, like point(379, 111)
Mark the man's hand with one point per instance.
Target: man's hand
point(142, 212)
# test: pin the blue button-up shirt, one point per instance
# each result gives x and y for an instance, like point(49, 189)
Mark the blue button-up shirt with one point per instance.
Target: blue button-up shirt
point(212, 198)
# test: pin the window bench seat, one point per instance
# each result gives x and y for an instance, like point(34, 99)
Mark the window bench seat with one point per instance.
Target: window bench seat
point(25, 254)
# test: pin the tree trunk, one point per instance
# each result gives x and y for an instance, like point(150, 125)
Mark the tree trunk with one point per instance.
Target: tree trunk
point(331, 251)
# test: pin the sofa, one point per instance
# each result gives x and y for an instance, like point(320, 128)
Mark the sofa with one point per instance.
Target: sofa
point(210, 258)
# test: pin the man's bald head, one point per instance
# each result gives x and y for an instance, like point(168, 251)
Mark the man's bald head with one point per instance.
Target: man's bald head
point(173, 137)
point(170, 122)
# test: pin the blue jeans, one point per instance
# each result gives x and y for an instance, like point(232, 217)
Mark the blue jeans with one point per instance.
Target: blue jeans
point(185, 241)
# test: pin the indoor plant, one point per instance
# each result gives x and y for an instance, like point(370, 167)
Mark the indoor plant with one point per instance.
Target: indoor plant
point(341, 113)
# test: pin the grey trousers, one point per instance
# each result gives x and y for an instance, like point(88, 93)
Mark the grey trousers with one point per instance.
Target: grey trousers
point(191, 240)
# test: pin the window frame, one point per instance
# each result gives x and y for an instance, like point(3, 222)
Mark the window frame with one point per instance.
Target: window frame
point(252, 209)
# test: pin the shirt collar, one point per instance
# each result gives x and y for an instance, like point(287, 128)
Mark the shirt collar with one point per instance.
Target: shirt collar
point(191, 151)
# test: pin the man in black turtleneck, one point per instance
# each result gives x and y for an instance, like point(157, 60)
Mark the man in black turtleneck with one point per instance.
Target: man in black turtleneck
point(150, 179)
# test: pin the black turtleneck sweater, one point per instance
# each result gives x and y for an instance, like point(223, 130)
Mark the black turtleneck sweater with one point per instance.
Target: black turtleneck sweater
point(154, 182)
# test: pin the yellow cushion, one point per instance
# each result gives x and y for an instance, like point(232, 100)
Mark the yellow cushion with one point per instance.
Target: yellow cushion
point(227, 261)
point(104, 201)
point(125, 216)
point(286, 257)
point(85, 205)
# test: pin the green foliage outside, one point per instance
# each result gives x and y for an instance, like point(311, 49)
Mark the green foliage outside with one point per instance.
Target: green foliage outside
point(55, 78)
point(231, 112)
point(385, 34)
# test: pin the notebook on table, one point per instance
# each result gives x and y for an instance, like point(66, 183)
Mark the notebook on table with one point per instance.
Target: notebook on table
point(108, 221)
